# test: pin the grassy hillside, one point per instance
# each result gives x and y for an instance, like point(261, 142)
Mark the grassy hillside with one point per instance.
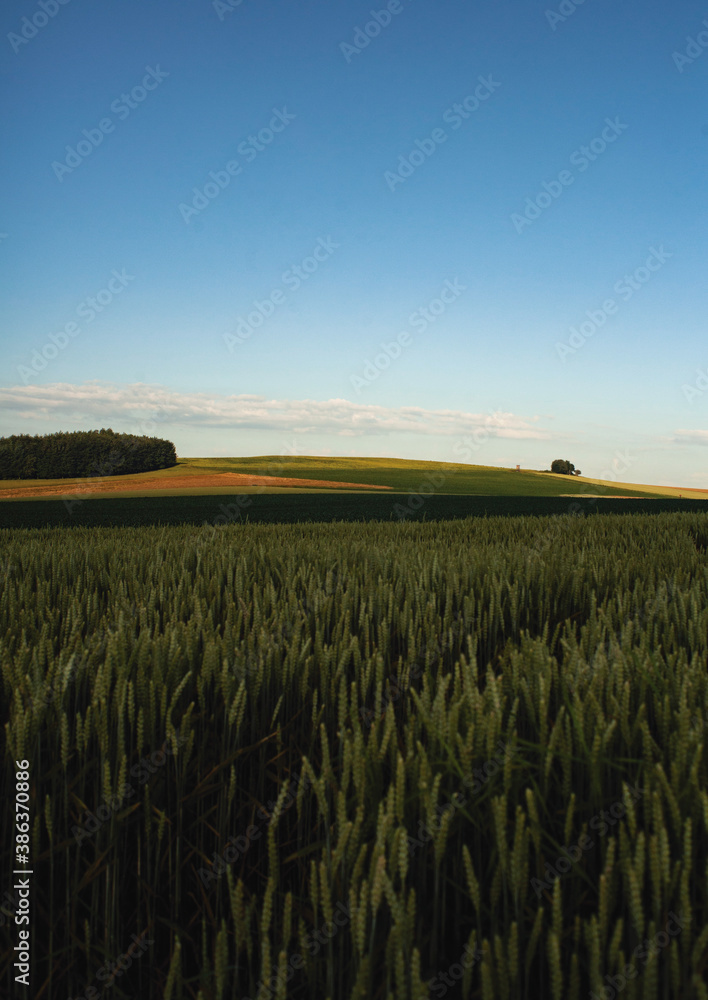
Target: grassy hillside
point(405, 474)
point(401, 474)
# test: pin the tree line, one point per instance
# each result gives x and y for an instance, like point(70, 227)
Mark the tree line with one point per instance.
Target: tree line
point(78, 454)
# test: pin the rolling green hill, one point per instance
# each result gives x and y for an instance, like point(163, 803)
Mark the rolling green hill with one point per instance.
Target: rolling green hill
point(412, 475)
point(402, 475)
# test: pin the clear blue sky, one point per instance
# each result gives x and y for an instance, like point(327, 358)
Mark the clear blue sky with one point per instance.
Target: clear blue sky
point(335, 174)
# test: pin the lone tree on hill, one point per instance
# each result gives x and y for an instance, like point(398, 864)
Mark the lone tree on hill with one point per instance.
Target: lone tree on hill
point(565, 467)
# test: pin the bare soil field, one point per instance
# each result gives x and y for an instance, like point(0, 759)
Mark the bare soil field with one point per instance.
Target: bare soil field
point(228, 479)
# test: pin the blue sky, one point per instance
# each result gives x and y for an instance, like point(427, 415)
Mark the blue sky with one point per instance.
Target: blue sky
point(181, 163)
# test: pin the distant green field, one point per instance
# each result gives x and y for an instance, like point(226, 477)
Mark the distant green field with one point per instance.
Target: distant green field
point(405, 475)
point(400, 474)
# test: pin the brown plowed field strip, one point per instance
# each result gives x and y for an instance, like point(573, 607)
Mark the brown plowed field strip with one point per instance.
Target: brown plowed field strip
point(222, 479)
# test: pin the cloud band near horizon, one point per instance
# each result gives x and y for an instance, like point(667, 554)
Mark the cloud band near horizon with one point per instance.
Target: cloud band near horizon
point(110, 403)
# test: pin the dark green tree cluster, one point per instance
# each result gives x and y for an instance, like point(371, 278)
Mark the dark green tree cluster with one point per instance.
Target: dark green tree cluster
point(76, 454)
point(565, 467)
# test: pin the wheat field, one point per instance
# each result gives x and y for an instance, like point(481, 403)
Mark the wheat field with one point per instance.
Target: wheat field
point(378, 760)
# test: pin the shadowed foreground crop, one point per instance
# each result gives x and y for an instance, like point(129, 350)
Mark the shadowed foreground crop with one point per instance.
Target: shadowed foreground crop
point(362, 760)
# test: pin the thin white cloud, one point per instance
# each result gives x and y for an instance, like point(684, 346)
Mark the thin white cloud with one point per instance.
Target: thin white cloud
point(689, 437)
point(106, 403)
